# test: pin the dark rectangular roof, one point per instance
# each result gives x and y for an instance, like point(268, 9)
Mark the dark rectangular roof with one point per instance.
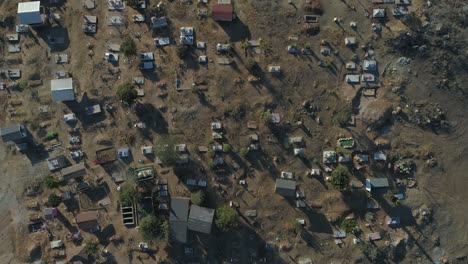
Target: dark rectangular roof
point(178, 231)
point(74, 171)
point(179, 209)
point(87, 220)
point(285, 187)
point(378, 182)
point(12, 132)
point(200, 219)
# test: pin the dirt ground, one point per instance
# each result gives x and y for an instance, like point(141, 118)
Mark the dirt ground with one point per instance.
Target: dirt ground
point(228, 97)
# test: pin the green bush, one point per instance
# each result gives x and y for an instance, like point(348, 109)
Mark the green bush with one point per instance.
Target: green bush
point(128, 47)
point(127, 93)
point(92, 248)
point(227, 148)
point(226, 218)
point(154, 228)
point(198, 197)
point(211, 165)
point(266, 117)
point(50, 182)
point(243, 152)
point(340, 177)
point(22, 85)
point(210, 153)
point(127, 194)
point(54, 200)
point(350, 225)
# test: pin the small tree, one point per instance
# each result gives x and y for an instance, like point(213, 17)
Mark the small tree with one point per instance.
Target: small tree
point(296, 226)
point(340, 177)
point(211, 165)
point(54, 200)
point(227, 148)
point(126, 93)
point(226, 218)
point(128, 47)
point(182, 51)
point(245, 46)
point(198, 197)
point(266, 117)
point(165, 151)
point(22, 85)
point(127, 193)
point(154, 228)
point(210, 153)
point(349, 225)
point(50, 182)
point(243, 152)
point(91, 248)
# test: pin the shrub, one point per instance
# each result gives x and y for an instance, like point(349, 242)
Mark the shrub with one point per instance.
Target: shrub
point(243, 152)
point(126, 93)
point(340, 177)
point(227, 148)
point(154, 228)
point(50, 182)
point(127, 194)
point(226, 218)
point(211, 165)
point(349, 225)
point(54, 200)
point(198, 197)
point(91, 248)
point(266, 117)
point(211, 154)
point(22, 85)
point(128, 47)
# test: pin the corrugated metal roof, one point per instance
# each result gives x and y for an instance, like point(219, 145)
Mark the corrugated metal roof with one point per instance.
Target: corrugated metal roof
point(62, 89)
point(12, 132)
point(61, 84)
point(179, 209)
point(27, 7)
point(200, 219)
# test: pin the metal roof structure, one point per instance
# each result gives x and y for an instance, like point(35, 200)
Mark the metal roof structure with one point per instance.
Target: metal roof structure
point(200, 219)
point(285, 187)
point(29, 12)
point(178, 216)
point(62, 89)
point(12, 132)
point(222, 12)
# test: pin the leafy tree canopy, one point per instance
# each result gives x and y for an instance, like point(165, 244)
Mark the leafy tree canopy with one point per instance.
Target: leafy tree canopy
point(340, 177)
point(127, 93)
point(226, 218)
point(154, 228)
